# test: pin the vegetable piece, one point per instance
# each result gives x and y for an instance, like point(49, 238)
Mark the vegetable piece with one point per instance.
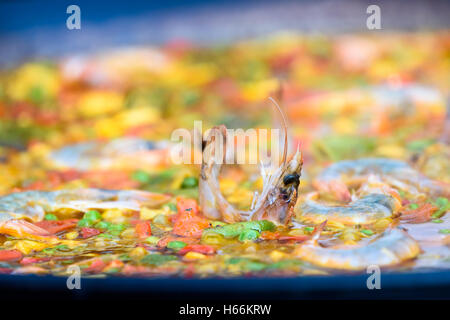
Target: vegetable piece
point(165, 240)
point(184, 205)
point(188, 224)
point(141, 176)
point(55, 249)
point(249, 235)
point(176, 245)
point(308, 229)
point(10, 255)
point(157, 259)
point(444, 231)
point(189, 182)
point(103, 225)
point(247, 264)
point(191, 256)
point(50, 217)
point(89, 232)
point(96, 266)
point(143, 229)
point(367, 232)
point(93, 216)
point(30, 260)
point(152, 240)
point(204, 249)
point(27, 246)
point(443, 204)
point(84, 223)
point(54, 227)
point(248, 230)
point(116, 229)
point(172, 206)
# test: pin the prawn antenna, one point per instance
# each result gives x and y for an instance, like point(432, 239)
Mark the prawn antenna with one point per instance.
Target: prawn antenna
point(283, 116)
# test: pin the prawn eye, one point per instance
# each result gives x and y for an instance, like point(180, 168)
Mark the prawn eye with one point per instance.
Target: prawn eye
point(291, 178)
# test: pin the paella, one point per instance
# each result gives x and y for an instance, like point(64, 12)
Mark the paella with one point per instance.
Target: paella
point(361, 178)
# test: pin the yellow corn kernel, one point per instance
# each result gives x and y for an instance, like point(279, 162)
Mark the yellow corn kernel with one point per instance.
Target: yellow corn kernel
point(391, 151)
point(70, 243)
point(343, 125)
point(97, 102)
point(129, 233)
point(137, 253)
point(227, 186)
point(277, 255)
point(350, 236)
point(26, 246)
point(296, 232)
point(242, 197)
point(114, 216)
point(382, 224)
point(137, 116)
point(258, 184)
point(334, 225)
point(152, 240)
point(148, 214)
point(194, 256)
point(258, 90)
point(71, 235)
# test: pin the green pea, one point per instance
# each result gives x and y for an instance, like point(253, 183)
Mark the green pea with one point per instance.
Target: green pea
point(105, 235)
point(367, 232)
point(116, 229)
point(176, 245)
point(124, 257)
point(309, 229)
point(441, 202)
point(152, 240)
point(85, 223)
point(444, 231)
point(249, 235)
point(92, 215)
point(103, 225)
point(189, 182)
point(50, 217)
point(141, 176)
point(414, 206)
point(157, 259)
point(255, 266)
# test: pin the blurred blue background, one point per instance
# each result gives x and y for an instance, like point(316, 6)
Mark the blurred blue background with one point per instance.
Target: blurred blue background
point(31, 28)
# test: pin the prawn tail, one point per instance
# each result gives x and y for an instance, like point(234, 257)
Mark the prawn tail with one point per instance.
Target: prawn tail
point(315, 235)
point(146, 198)
point(24, 229)
point(335, 187)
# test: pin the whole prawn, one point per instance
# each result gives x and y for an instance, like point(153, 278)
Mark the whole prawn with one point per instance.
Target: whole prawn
point(280, 188)
point(338, 177)
point(374, 200)
point(392, 247)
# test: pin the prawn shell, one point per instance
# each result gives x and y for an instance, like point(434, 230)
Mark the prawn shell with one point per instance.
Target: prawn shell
point(391, 248)
point(364, 211)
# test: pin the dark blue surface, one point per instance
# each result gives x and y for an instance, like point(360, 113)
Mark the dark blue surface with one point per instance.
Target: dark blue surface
point(20, 15)
point(435, 285)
